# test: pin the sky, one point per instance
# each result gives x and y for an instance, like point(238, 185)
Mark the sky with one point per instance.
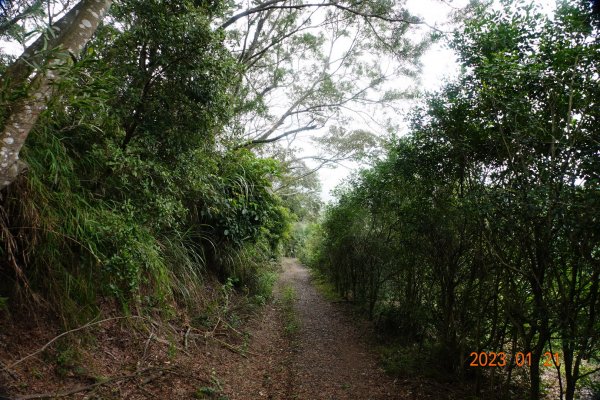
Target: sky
point(438, 64)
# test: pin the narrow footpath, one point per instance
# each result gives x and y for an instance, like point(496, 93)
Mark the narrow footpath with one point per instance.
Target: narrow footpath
point(326, 359)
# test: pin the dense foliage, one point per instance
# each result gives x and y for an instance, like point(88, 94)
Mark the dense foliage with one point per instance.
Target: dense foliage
point(479, 231)
point(128, 192)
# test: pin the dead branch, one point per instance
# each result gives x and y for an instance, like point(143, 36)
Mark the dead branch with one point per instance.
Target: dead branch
point(236, 331)
point(243, 353)
point(166, 342)
point(147, 344)
point(8, 371)
point(146, 391)
point(211, 335)
point(185, 337)
point(272, 5)
point(89, 387)
point(44, 347)
point(153, 377)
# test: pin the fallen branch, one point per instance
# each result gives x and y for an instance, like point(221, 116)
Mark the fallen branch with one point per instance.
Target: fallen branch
point(153, 377)
point(236, 331)
point(243, 353)
point(146, 392)
point(209, 335)
point(167, 343)
point(44, 347)
point(86, 388)
point(185, 337)
point(8, 371)
point(216, 325)
point(146, 345)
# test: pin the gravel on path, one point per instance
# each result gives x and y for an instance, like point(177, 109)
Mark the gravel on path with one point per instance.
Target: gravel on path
point(326, 359)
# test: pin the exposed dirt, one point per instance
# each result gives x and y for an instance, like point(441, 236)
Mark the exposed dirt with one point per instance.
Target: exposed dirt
point(266, 371)
point(332, 361)
point(328, 357)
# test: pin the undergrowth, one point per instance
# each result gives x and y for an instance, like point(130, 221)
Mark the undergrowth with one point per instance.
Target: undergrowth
point(291, 320)
point(323, 285)
point(139, 199)
point(83, 226)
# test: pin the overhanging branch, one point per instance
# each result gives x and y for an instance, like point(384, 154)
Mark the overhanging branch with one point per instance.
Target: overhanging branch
point(272, 5)
point(276, 138)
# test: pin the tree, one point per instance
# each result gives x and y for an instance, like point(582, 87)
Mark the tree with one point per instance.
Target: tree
point(543, 158)
point(11, 15)
point(494, 195)
point(45, 59)
point(309, 66)
point(130, 193)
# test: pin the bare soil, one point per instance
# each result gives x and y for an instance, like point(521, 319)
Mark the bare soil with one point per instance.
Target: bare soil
point(332, 359)
point(328, 357)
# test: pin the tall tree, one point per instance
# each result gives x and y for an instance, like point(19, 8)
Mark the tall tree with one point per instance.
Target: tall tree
point(36, 74)
point(314, 65)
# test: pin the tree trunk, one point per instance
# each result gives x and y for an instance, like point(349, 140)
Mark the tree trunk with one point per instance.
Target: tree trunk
point(534, 380)
point(71, 33)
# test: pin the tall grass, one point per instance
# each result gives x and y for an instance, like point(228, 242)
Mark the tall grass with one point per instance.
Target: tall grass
point(66, 247)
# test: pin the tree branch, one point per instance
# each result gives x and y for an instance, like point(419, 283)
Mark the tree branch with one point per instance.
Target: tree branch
point(44, 347)
point(262, 7)
point(6, 25)
point(92, 386)
point(271, 5)
point(276, 138)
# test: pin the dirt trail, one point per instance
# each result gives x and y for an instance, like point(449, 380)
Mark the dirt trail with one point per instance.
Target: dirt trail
point(327, 359)
point(333, 361)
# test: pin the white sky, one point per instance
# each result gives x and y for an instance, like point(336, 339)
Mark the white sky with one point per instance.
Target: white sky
point(439, 65)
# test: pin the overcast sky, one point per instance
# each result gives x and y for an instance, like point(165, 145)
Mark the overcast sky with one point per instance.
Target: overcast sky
point(439, 64)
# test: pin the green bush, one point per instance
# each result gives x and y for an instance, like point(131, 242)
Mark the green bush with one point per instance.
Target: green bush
point(127, 194)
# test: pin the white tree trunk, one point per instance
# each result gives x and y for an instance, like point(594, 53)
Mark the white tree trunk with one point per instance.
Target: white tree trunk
point(72, 32)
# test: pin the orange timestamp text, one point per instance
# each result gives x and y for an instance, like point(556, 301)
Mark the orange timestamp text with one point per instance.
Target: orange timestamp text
point(501, 359)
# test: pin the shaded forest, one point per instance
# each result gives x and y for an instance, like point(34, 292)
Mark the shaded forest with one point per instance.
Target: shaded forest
point(148, 151)
point(478, 231)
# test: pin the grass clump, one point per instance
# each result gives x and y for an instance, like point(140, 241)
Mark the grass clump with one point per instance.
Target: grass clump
point(291, 320)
